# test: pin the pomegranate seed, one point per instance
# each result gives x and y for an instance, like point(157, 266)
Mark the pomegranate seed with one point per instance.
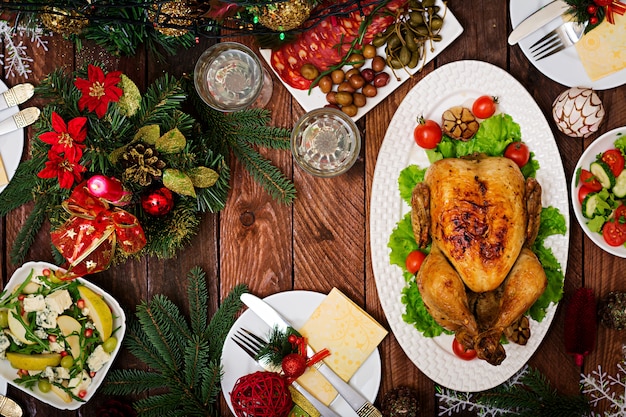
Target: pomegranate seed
point(46, 272)
point(88, 332)
point(92, 374)
point(21, 297)
point(82, 393)
point(80, 303)
point(52, 338)
point(64, 353)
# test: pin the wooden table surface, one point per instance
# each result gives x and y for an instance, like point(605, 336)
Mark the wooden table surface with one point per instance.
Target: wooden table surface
point(322, 240)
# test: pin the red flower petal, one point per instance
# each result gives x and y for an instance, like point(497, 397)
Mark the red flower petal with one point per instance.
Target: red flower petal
point(51, 138)
point(58, 124)
point(77, 128)
point(95, 73)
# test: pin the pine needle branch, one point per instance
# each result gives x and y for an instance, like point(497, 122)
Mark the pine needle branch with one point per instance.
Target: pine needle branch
point(28, 233)
point(198, 297)
point(132, 381)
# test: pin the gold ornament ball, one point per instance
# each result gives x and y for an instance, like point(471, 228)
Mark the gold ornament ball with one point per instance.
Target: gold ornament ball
point(177, 13)
point(64, 22)
point(284, 16)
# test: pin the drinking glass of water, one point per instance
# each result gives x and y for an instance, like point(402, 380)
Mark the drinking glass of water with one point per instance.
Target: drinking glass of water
point(229, 76)
point(325, 142)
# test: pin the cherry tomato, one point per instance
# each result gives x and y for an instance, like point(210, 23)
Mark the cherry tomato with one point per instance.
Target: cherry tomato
point(518, 152)
point(614, 159)
point(460, 351)
point(582, 193)
point(414, 261)
point(427, 133)
point(484, 107)
point(587, 179)
point(613, 233)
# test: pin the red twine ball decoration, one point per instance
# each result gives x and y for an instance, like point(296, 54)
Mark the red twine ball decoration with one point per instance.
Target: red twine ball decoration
point(261, 394)
point(157, 202)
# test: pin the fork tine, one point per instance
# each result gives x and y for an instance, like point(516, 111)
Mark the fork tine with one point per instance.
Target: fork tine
point(541, 42)
point(548, 44)
point(551, 52)
point(248, 341)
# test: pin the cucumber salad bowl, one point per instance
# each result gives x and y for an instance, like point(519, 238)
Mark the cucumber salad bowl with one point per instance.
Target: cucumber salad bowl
point(598, 192)
point(58, 338)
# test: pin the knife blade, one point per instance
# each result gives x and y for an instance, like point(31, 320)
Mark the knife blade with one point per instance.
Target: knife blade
point(361, 405)
point(538, 19)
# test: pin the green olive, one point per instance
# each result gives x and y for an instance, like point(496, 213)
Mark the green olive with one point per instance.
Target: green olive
point(378, 63)
point(67, 361)
point(436, 23)
point(356, 81)
point(110, 344)
point(356, 60)
point(344, 98)
point(44, 385)
point(337, 76)
point(415, 4)
point(325, 84)
point(345, 87)
point(309, 71)
point(369, 90)
point(369, 51)
point(351, 110)
point(359, 99)
point(4, 319)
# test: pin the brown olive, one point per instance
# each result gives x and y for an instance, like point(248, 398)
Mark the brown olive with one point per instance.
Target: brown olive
point(356, 60)
point(352, 72)
point(331, 97)
point(356, 81)
point(378, 63)
point(325, 84)
point(332, 106)
point(309, 71)
point(369, 51)
point(337, 76)
point(359, 99)
point(368, 75)
point(345, 87)
point(381, 80)
point(369, 90)
point(351, 110)
point(344, 98)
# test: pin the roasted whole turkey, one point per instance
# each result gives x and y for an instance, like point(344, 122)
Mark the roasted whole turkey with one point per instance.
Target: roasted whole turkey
point(481, 217)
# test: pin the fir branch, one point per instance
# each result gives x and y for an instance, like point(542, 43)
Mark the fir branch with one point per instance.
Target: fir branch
point(139, 345)
point(220, 324)
point(25, 178)
point(198, 296)
point(27, 234)
point(213, 199)
point(163, 95)
point(131, 381)
point(195, 356)
point(265, 173)
point(158, 405)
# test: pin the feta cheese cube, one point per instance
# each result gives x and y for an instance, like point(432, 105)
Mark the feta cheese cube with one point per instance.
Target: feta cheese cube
point(56, 347)
point(80, 382)
point(41, 333)
point(34, 303)
point(59, 301)
point(97, 359)
point(46, 319)
point(4, 344)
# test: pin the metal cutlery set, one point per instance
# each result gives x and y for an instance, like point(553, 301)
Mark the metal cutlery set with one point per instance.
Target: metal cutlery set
point(251, 344)
point(564, 36)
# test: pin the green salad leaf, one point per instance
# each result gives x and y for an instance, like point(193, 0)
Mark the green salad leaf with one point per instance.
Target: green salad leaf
point(492, 138)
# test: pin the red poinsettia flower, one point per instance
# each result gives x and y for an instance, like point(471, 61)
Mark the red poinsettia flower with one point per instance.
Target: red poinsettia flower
point(66, 170)
point(67, 138)
point(98, 90)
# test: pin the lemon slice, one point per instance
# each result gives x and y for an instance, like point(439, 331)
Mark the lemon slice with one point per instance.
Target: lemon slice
point(99, 311)
point(34, 361)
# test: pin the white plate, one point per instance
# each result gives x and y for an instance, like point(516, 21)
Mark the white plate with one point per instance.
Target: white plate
point(297, 307)
point(450, 30)
point(11, 144)
point(601, 144)
point(119, 322)
point(564, 67)
point(453, 84)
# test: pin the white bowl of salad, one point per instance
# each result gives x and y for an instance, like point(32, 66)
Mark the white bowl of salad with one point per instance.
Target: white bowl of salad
point(599, 192)
point(59, 338)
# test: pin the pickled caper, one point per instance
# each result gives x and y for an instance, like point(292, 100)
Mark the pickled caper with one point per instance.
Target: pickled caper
point(395, 63)
point(405, 55)
point(393, 41)
point(379, 40)
point(415, 57)
point(410, 43)
point(415, 4)
point(428, 3)
point(416, 18)
point(436, 23)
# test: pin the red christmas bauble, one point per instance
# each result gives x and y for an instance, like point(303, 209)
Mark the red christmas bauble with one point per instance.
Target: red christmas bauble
point(294, 365)
point(158, 202)
point(261, 394)
point(603, 3)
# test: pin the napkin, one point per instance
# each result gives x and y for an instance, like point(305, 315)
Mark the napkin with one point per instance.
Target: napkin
point(3, 173)
point(350, 334)
point(602, 50)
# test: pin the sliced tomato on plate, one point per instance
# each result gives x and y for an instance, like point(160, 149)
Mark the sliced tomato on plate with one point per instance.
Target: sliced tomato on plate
point(587, 179)
point(615, 160)
point(582, 193)
point(620, 215)
point(614, 234)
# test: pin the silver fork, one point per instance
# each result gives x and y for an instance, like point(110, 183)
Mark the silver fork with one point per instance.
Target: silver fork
point(252, 344)
point(560, 38)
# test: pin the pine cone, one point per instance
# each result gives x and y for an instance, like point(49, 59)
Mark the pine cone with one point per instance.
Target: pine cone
point(141, 164)
point(612, 310)
point(400, 402)
point(519, 331)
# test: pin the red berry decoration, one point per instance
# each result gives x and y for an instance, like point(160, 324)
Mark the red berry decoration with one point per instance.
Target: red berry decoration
point(593, 20)
point(261, 394)
point(158, 202)
point(294, 365)
point(591, 9)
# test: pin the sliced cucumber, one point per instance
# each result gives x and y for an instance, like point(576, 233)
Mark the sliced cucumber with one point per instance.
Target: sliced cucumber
point(619, 189)
point(603, 173)
point(590, 204)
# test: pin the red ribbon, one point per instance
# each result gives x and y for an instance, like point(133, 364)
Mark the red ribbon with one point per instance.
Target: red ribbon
point(615, 7)
point(88, 240)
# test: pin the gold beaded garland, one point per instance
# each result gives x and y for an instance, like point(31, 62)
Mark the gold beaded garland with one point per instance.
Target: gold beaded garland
point(177, 12)
point(286, 15)
point(63, 22)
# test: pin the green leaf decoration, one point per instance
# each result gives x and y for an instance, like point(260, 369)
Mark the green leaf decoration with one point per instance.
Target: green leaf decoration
point(183, 356)
point(203, 177)
point(131, 99)
point(178, 182)
point(148, 134)
point(171, 142)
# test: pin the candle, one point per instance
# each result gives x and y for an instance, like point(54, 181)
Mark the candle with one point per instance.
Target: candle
point(107, 188)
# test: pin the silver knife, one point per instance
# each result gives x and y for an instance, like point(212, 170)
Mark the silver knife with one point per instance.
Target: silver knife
point(538, 19)
point(272, 318)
